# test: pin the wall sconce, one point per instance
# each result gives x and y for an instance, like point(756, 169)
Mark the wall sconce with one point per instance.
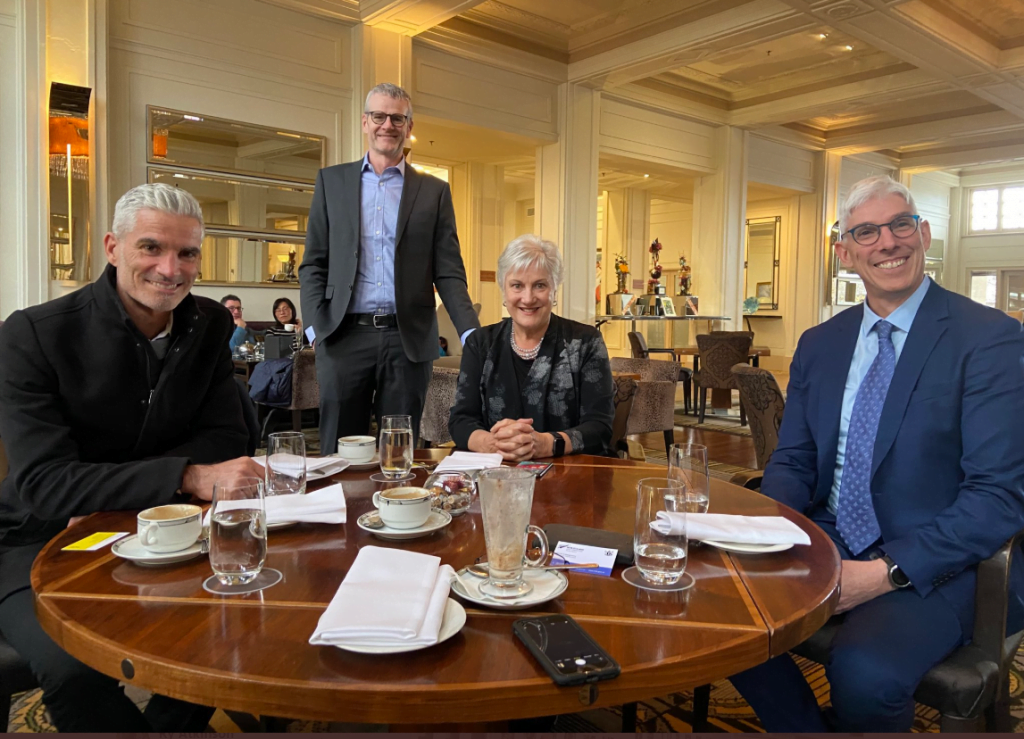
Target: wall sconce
point(69, 171)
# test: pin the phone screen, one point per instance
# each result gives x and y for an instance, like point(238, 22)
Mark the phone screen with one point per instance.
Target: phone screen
point(566, 645)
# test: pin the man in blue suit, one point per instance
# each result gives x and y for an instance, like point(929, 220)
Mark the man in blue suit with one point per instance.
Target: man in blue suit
point(900, 441)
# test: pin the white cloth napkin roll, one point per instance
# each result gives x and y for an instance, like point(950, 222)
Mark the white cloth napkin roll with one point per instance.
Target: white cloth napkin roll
point(390, 597)
point(730, 528)
point(316, 467)
point(469, 461)
point(326, 505)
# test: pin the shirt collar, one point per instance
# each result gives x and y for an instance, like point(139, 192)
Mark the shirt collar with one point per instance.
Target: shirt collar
point(367, 166)
point(903, 317)
point(167, 329)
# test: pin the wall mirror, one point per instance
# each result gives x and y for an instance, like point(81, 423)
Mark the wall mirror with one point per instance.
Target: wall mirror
point(761, 265)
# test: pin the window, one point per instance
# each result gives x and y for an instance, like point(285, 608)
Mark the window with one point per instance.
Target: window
point(997, 209)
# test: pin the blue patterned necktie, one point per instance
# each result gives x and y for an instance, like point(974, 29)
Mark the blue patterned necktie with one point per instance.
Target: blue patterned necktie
point(855, 517)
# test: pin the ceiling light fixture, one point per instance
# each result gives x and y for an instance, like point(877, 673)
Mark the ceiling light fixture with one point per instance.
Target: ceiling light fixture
point(848, 47)
point(823, 36)
point(646, 175)
point(411, 137)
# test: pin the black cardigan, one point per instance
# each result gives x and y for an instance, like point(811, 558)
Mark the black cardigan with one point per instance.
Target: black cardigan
point(569, 387)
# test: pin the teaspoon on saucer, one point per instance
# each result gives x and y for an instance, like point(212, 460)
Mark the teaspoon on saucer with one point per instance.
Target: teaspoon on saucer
point(480, 569)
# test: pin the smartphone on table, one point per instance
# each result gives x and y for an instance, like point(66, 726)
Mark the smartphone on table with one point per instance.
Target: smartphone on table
point(566, 652)
point(538, 468)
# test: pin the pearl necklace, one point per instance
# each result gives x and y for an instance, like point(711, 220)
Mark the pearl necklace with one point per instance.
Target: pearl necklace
point(526, 354)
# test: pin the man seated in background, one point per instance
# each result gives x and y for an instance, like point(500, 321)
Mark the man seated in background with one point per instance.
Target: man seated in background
point(899, 440)
point(118, 396)
point(242, 333)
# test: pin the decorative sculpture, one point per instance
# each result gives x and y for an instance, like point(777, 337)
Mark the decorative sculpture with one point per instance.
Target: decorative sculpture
point(621, 273)
point(655, 282)
point(684, 276)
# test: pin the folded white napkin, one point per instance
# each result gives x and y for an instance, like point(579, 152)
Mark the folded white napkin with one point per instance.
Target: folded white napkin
point(729, 528)
point(389, 598)
point(326, 505)
point(469, 461)
point(318, 467)
point(544, 584)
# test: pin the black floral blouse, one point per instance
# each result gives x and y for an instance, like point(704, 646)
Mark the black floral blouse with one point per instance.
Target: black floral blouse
point(569, 386)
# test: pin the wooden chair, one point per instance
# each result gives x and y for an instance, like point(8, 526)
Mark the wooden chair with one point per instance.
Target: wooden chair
point(762, 400)
point(640, 350)
point(438, 405)
point(719, 352)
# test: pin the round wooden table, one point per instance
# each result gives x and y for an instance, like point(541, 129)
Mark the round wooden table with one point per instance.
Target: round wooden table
point(158, 629)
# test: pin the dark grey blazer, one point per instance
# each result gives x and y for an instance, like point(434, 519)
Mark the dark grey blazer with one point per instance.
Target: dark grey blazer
point(426, 255)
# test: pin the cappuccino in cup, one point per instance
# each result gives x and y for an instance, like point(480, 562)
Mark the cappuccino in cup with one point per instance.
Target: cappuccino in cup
point(170, 528)
point(404, 507)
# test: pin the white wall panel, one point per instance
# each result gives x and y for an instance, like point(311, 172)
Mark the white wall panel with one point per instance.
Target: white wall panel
point(772, 163)
point(639, 133)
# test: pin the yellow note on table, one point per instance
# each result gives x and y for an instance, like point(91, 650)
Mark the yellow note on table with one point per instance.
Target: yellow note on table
point(95, 541)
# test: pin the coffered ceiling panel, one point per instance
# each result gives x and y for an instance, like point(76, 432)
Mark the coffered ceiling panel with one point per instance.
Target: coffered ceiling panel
point(902, 109)
point(1000, 22)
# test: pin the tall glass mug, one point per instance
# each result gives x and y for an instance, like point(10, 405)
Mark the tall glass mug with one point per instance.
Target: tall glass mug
point(506, 501)
point(688, 465)
point(660, 558)
point(286, 463)
point(238, 531)
point(396, 446)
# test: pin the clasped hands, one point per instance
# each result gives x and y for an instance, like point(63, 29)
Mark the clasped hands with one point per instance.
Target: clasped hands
point(515, 440)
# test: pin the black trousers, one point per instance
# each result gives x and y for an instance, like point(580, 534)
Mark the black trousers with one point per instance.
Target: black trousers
point(363, 370)
point(79, 698)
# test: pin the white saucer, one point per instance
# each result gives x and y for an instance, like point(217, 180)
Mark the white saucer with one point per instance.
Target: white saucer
point(435, 521)
point(129, 548)
point(738, 548)
point(451, 624)
point(513, 604)
point(375, 462)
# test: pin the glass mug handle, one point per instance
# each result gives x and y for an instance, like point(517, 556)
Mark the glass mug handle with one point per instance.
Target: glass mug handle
point(543, 538)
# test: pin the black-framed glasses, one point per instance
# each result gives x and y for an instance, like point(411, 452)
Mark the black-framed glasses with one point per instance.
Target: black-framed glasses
point(397, 119)
point(901, 227)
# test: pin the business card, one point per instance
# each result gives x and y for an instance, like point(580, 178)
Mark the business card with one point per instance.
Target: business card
point(95, 541)
point(568, 553)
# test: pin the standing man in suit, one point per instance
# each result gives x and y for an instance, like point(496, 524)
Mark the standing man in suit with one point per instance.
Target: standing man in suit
point(381, 237)
point(899, 440)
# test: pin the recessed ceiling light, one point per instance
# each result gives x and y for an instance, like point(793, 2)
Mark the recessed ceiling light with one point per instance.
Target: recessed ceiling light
point(412, 137)
point(823, 35)
point(646, 175)
point(848, 47)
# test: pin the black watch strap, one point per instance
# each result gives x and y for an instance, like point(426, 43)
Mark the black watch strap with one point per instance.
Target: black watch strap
point(558, 449)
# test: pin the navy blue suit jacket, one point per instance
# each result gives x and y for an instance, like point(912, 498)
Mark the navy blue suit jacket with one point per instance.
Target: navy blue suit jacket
point(948, 467)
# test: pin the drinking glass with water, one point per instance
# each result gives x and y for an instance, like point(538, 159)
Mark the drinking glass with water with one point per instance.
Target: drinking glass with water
point(238, 531)
point(660, 558)
point(286, 463)
point(688, 465)
point(396, 446)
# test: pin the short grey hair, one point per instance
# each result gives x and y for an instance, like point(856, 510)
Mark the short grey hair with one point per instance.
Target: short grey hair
point(154, 196)
point(530, 250)
point(872, 188)
point(387, 89)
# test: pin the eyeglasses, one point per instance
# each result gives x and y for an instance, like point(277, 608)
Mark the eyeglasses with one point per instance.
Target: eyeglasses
point(901, 227)
point(397, 119)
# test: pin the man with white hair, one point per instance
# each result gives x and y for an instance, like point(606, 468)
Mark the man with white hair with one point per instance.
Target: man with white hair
point(118, 396)
point(900, 441)
point(380, 238)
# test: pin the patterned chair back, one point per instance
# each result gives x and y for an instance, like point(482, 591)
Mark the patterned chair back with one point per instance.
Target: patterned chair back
point(719, 351)
point(625, 391)
point(438, 405)
point(764, 404)
point(650, 370)
point(305, 388)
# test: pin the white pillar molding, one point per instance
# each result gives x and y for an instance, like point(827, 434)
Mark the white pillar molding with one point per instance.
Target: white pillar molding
point(378, 56)
point(719, 212)
point(953, 277)
point(828, 191)
point(481, 234)
point(101, 199)
point(628, 232)
point(566, 196)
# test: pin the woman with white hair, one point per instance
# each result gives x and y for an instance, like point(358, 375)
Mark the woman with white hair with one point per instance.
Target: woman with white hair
point(535, 385)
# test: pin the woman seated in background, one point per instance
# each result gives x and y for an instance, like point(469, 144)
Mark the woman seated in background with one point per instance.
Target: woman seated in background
point(285, 313)
point(535, 385)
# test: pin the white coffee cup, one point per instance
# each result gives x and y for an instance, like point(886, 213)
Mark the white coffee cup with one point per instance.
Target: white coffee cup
point(357, 449)
point(170, 528)
point(289, 327)
point(403, 508)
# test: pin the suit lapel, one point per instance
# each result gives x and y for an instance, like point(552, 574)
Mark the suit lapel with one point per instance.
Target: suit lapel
point(929, 325)
point(352, 182)
point(410, 188)
point(836, 366)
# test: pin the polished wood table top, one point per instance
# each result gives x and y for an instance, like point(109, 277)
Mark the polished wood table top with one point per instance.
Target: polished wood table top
point(158, 629)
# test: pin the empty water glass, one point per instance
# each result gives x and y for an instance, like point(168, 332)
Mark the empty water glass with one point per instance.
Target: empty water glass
point(688, 464)
point(238, 531)
point(660, 558)
point(286, 463)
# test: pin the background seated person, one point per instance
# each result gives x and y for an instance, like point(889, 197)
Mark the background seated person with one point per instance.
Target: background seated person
point(242, 333)
point(534, 385)
point(284, 314)
point(442, 345)
point(119, 396)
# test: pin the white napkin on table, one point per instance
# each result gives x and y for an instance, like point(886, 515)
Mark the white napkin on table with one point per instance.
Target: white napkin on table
point(318, 467)
point(389, 598)
point(326, 505)
point(729, 528)
point(469, 461)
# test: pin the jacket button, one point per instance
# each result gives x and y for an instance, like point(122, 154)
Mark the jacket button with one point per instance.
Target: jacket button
point(355, 253)
point(351, 286)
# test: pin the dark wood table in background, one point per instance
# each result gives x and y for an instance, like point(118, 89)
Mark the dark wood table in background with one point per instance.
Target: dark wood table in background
point(158, 629)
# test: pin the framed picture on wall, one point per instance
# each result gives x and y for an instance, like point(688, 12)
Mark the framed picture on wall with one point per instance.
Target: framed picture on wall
point(764, 292)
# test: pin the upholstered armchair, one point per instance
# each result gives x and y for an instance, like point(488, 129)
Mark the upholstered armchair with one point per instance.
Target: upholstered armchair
point(654, 404)
point(719, 352)
point(762, 400)
point(640, 350)
point(438, 405)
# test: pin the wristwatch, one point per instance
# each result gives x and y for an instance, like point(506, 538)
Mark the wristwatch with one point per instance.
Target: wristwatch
point(558, 450)
point(897, 577)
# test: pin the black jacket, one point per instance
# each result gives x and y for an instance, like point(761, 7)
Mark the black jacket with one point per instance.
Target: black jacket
point(91, 421)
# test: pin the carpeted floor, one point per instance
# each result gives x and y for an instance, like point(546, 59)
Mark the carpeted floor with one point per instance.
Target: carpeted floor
point(728, 424)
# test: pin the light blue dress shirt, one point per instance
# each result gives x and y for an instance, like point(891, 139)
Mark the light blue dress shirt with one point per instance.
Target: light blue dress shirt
point(380, 196)
point(863, 355)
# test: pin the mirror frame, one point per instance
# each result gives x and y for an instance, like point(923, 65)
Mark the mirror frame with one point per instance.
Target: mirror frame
point(776, 250)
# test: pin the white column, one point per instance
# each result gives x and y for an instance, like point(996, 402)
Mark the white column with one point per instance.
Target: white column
point(377, 56)
point(719, 212)
point(566, 199)
point(828, 191)
point(481, 235)
point(629, 235)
